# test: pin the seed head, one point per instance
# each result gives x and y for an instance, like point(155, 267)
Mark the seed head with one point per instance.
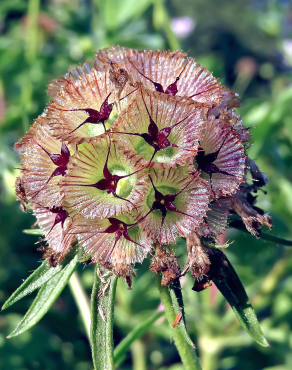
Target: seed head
point(135, 149)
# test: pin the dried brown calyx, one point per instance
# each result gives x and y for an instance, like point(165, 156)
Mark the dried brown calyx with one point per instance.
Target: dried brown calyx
point(216, 270)
point(252, 217)
point(198, 261)
point(166, 263)
point(20, 192)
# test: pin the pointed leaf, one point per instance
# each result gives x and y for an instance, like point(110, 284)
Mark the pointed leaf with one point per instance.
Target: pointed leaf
point(237, 224)
point(41, 275)
point(136, 333)
point(234, 292)
point(45, 298)
point(102, 316)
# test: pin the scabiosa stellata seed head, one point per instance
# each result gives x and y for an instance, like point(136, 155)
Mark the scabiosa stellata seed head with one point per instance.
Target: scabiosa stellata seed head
point(136, 149)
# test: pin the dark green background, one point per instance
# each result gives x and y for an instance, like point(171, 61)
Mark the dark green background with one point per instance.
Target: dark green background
point(248, 45)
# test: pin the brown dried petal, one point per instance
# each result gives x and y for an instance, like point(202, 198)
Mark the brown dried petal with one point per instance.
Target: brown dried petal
point(166, 263)
point(198, 261)
point(251, 218)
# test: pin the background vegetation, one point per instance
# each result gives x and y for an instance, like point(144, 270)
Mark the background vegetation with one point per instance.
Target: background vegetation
point(248, 45)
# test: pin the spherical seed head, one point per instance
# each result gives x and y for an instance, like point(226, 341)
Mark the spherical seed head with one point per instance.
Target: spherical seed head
point(110, 162)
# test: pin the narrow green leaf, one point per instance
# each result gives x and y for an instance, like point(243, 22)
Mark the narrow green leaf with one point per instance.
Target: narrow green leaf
point(178, 306)
point(235, 294)
point(186, 352)
point(45, 298)
point(136, 333)
point(102, 316)
point(33, 231)
point(237, 224)
point(40, 276)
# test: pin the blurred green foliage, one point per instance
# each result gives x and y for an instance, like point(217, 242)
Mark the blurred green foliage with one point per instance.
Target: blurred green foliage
point(249, 46)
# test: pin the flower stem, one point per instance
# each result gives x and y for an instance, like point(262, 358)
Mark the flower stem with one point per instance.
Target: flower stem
point(81, 300)
point(186, 352)
point(102, 321)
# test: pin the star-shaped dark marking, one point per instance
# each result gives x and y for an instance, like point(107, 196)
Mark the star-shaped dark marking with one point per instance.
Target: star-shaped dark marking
point(60, 160)
point(205, 163)
point(120, 229)
point(94, 116)
point(165, 203)
point(170, 90)
point(109, 182)
point(157, 139)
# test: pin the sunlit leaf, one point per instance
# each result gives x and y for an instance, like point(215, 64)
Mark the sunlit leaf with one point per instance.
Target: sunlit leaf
point(39, 277)
point(45, 298)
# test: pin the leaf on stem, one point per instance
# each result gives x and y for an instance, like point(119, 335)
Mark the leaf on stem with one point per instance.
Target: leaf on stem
point(39, 277)
point(45, 298)
point(232, 289)
point(239, 225)
point(136, 333)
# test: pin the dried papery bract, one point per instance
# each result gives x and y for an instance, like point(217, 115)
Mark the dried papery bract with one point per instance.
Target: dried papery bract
point(159, 70)
point(221, 156)
point(81, 109)
point(73, 75)
point(175, 205)
point(159, 128)
point(102, 181)
point(216, 219)
point(55, 225)
point(44, 162)
point(113, 242)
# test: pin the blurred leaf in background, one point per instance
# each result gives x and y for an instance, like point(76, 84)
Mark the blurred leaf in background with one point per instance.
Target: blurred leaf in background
point(248, 45)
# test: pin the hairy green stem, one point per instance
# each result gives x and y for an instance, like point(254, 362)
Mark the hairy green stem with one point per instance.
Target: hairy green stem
point(186, 352)
point(102, 322)
point(81, 300)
